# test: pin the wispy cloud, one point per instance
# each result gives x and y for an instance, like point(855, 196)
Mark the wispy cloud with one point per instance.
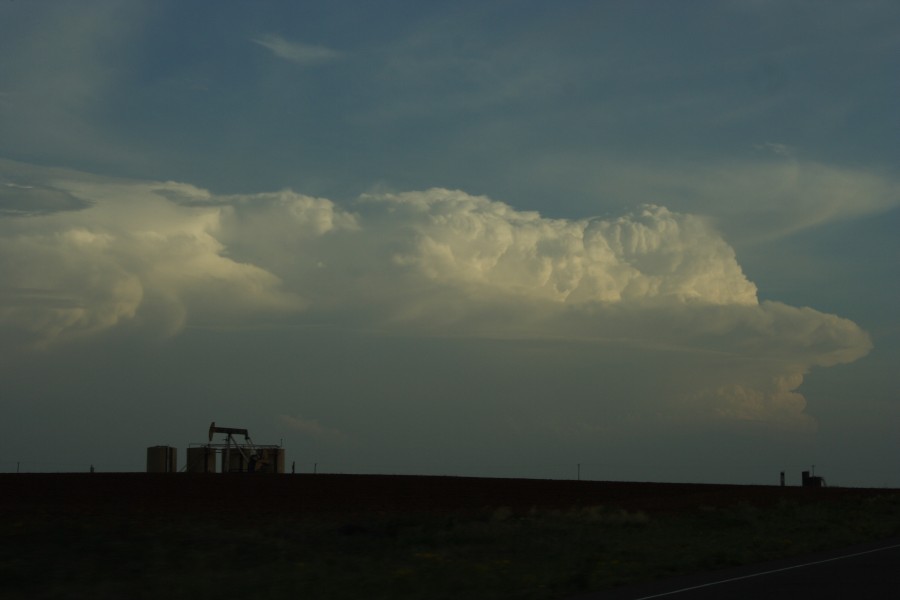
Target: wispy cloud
point(302, 54)
point(754, 201)
point(60, 73)
point(776, 148)
point(313, 428)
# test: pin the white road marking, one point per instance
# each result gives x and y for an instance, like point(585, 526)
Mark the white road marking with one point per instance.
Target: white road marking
point(817, 562)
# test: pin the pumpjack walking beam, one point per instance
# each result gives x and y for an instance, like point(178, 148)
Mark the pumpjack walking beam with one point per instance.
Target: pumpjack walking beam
point(230, 441)
point(227, 430)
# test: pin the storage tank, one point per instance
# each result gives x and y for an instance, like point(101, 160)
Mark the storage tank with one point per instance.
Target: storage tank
point(201, 460)
point(267, 460)
point(272, 460)
point(233, 462)
point(162, 459)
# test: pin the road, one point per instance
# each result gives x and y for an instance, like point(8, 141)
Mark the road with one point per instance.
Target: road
point(861, 572)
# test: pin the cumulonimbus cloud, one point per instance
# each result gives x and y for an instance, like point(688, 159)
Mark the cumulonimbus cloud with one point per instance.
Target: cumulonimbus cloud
point(153, 257)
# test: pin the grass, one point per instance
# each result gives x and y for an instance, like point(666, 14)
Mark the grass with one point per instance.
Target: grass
point(492, 553)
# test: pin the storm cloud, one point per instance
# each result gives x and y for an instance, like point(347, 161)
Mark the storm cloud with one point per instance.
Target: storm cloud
point(662, 290)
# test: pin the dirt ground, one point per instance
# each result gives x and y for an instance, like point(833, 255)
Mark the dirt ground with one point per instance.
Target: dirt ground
point(336, 537)
point(291, 494)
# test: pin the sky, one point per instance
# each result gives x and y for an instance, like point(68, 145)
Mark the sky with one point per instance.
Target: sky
point(637, 241)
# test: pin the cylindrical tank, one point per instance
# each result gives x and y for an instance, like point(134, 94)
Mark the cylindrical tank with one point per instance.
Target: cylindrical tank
point(201, 460)
point(279, 460)
point(162, 459)
point(233, 462)
point(271, 460)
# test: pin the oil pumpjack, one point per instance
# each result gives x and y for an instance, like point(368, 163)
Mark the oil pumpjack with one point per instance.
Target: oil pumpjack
point(238, 456)
point(246, 451)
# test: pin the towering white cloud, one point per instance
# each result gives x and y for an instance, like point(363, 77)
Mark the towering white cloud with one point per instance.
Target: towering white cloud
point(131, 258)
point(155, 257)
point(655, 254)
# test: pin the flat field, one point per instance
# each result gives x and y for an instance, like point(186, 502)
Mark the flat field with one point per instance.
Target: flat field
point(183, 535)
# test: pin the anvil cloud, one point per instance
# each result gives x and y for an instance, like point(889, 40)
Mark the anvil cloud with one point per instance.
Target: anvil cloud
point(152, 258)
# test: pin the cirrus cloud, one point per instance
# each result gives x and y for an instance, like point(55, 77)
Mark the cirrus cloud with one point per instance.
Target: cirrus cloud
point(302, 54)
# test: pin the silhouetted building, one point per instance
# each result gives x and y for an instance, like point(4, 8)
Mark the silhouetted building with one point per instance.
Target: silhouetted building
point(812, 480)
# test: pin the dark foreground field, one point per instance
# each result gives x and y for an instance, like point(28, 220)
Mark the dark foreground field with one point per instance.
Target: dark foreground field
point(358, 536)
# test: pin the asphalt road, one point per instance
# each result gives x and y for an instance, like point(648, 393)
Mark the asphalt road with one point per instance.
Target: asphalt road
point(861, 572)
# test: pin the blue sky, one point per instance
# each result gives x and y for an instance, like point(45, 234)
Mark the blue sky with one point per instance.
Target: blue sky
point(496, 238)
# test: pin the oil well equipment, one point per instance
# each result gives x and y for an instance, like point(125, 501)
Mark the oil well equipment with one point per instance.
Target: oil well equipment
point(237, 453)
point(162, 459)
point(812, 481)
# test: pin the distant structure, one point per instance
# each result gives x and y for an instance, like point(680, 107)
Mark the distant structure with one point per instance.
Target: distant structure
point(235, 456)
point(160, 459)
point(201, 459)
point(811, 481)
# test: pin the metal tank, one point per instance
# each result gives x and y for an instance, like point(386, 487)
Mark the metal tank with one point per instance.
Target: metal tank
point(201, 459)
point(271, 460)
point(162, 459)
point(256, 460)
point(234, 462)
